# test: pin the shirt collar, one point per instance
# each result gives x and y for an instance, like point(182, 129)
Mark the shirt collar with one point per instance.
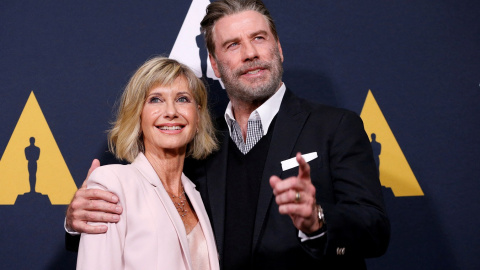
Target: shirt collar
point(266, 112)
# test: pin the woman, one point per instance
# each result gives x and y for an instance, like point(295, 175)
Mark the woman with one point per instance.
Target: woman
point(163, 118)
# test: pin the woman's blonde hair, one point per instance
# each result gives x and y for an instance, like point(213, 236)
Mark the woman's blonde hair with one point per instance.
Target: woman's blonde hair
point(125, 139)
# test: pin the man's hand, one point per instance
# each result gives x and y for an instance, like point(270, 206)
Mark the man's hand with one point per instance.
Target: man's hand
point(300, 207)
point(92, 205)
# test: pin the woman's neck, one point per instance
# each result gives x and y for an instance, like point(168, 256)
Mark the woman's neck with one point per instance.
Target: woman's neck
point(169, 167)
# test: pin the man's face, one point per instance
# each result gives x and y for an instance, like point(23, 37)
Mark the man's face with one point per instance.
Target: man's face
point(248, 58)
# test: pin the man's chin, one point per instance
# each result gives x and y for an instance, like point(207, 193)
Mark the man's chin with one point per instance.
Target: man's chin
point(255, 79)
point(259, 95)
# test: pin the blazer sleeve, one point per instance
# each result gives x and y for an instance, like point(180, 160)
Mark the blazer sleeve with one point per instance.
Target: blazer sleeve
point(104, 251)
point(356, 220)
point(72, 242)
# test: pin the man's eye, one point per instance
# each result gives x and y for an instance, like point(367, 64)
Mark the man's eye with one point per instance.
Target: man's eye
point(259, 38)
point(232, 45)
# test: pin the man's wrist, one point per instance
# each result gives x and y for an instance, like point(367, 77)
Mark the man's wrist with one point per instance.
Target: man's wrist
point(320, 222)
point(68, 229)
point(318, 232)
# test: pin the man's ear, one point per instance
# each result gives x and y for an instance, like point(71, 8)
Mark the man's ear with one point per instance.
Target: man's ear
point(280, 49)
point(214, 65)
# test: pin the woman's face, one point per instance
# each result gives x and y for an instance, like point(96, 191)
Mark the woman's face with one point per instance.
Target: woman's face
point(169, 118)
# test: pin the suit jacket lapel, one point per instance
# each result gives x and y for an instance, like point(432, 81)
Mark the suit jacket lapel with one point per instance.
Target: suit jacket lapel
point(216, 174)
point(288, 126)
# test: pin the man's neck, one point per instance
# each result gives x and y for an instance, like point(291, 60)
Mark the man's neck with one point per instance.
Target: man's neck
point(242, 111)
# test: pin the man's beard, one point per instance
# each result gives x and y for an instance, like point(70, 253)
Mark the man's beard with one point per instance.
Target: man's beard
point(259, 89)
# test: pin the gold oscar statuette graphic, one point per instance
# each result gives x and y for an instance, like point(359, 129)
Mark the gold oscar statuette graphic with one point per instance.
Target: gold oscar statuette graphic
point(32, 161)
point(394, 170)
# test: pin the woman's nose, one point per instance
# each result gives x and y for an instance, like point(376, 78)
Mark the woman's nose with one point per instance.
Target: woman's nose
point(170, 110)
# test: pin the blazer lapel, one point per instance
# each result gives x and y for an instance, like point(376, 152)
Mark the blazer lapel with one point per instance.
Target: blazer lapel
point(146, 169)
point(216, 174)
point(288, 126)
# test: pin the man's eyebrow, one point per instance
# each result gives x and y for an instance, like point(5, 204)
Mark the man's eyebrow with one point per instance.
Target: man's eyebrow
point(235, 39)
point(259, 32)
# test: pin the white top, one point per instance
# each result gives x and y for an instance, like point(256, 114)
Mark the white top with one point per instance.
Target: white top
point(198, 248)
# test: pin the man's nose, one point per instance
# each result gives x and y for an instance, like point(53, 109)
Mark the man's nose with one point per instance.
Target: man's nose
point(249, 51)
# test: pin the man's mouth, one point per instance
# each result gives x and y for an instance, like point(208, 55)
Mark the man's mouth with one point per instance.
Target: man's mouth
point(255, 71)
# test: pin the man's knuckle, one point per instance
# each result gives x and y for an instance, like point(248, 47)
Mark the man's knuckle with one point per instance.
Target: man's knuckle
point(278, 200)
point(79, 194)
point(76, 204)
point(295, 181)
point(89, 215)
point(77, 226)
point(94, 192)
point(75, 215)
point(94, 205)
point(73, 206)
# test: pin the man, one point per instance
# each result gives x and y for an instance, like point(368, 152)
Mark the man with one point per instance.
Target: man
point(327, 214)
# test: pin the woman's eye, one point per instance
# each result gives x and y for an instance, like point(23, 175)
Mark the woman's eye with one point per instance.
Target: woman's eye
point(155, 100)
point(183, 99)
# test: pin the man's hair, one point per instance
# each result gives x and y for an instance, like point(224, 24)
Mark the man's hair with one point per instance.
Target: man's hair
point(222, 8)
point(125, 139)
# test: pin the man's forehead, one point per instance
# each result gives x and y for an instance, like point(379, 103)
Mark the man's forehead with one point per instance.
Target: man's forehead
point(246, 21)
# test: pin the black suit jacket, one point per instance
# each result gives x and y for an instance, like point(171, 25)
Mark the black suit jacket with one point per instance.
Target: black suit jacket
point(346, 182)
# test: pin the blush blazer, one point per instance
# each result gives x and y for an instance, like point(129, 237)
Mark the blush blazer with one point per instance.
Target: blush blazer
point(150, 233)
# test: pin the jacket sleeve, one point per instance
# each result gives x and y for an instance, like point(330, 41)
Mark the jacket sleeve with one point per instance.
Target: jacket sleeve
point(356, 221)
point(72, 242)
point(104, 251)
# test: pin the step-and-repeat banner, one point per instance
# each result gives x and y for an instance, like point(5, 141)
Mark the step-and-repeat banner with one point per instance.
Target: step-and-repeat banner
point(410, 69)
